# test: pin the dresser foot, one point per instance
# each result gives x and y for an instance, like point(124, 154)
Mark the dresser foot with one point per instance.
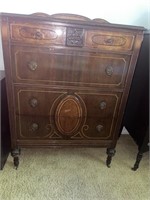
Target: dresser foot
point(110, 152)
point(137, 162)
point(15, 154)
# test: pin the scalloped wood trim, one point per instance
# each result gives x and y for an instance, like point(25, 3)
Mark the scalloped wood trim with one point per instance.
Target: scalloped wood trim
point(40, 14)
point(99, 20)
point(69, 16)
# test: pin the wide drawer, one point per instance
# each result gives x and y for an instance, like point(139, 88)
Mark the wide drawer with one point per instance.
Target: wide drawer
point(36, 101)
point(38, 34)
point(81, 37)
point(29, 127)
point(66, 114)
point(111, 41)
point(69, 67)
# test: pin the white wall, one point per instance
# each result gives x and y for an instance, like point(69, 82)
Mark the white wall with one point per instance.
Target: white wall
point(131, 12)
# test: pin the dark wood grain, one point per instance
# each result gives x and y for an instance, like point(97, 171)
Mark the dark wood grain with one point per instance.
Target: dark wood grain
point(67, 79)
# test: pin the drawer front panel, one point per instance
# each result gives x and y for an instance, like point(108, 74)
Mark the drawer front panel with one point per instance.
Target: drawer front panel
point(38, 34)
point(29, 127)
point(61, 67)
point(67, 115)
point(109, 40)
point(35, 102)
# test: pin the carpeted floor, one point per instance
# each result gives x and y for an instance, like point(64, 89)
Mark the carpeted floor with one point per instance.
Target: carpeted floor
point(76, 174)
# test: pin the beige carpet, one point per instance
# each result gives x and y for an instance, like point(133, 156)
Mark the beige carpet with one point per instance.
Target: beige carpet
point(76, 174)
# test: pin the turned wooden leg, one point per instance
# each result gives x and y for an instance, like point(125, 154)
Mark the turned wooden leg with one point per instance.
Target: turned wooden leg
point(137, 162)
point(110, 152)
point(15, 154)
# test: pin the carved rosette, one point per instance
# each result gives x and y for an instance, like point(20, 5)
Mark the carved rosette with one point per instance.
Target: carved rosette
point(74, 37)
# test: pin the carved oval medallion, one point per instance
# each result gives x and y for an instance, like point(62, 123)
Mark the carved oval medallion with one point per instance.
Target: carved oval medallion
point(36, 33)
point(68, 115)
point(109, 40)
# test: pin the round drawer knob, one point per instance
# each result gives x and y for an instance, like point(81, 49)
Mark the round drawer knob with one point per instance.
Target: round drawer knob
point(33, 102)
point(38, 35)
point(102, 105)
point(109, 41)
point(34, 127)
point(99, 128)
point(32, 65)
point(109, 70)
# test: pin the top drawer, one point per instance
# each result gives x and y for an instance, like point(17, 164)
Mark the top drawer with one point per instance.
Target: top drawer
point(38, 34)
point(109, 40)
point(82, 37)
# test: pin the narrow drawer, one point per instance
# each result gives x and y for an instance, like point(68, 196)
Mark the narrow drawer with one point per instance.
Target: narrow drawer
point(74, 68)
point(109, 40)
point(38, 34)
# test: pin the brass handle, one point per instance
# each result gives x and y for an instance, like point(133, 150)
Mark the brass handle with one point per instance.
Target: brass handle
point(109, 70)
point(38, 35)
point(109, 41)
point(34, 127)
point(33, 102)
point(32, 65)
point(102, 105)
point(99, 128)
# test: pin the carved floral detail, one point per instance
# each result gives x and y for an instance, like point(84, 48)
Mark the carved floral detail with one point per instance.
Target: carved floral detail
point(74, 37)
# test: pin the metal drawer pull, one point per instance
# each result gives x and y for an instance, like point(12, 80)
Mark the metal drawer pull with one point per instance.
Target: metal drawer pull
point(32, 65)
point(99, 128)
point(33, 102)
point(109, 70)
point(34, 127)
point(38, 35)
point(109, 41)
point(102, 105)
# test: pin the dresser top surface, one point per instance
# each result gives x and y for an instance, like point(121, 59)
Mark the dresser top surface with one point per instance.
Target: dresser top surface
point(71, 19)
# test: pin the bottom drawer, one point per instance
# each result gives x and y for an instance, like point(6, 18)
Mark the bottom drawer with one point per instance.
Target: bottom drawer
point(33, 127)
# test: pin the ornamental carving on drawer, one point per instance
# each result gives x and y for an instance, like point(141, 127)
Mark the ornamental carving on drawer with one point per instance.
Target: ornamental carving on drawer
point(74, 37)
point(34, 33)
point(108, 40)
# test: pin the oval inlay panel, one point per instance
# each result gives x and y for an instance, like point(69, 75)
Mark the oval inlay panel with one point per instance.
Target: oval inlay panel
point(34, 33)
point(68, 115)
point(108, 40)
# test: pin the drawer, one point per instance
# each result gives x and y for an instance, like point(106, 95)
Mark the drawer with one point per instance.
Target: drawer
point(73, 68)
point(109, 40)
point(38, 34)
point(44, 102)
point(40, 128)
point(68, 114)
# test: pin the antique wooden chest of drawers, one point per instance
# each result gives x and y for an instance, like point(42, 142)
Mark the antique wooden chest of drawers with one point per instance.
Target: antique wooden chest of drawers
point(68, 79)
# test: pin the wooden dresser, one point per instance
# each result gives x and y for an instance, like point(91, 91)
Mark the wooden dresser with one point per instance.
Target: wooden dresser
point(68, 79)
